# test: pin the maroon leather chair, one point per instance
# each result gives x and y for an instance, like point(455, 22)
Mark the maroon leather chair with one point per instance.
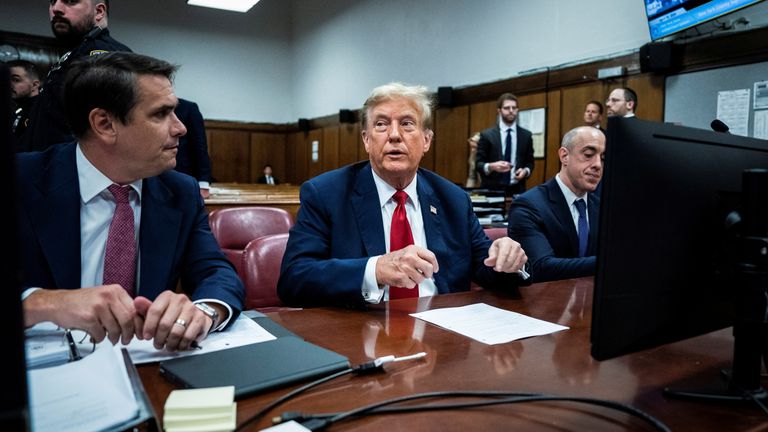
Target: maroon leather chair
point(235, 227)
point(261, 269)
point(495, 233)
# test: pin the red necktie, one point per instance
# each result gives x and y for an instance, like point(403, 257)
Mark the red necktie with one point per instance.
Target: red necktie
point(120, 256)
point(400, 236)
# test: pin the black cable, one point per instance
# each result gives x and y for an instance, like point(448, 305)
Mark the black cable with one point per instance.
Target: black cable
point(319, 423)
point(299, 417)
point(361, 369)
point(289, 395)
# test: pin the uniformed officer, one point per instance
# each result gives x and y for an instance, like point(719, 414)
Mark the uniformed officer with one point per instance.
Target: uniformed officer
point(25, 86)
point(82, 26)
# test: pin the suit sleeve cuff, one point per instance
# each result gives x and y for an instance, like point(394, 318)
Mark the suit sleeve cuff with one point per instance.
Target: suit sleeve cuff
point(27, 292)
point(372, 292)
point(486, 168)
point(224, 320)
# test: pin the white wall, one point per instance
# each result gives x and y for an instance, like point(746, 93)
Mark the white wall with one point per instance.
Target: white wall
point(287, 59)
point(342, 53)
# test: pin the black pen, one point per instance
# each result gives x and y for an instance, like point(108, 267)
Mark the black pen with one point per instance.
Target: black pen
point(74, 353)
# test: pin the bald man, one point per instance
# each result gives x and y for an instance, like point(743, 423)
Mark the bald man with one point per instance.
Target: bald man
point(556, 222)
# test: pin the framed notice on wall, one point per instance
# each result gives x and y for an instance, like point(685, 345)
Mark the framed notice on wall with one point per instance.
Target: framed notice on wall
point(535, 120)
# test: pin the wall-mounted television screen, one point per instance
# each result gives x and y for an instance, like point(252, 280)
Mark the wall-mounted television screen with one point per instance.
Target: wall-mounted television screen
point(666, 17)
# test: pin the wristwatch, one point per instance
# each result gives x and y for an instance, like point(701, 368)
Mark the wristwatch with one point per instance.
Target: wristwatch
point(210, 312)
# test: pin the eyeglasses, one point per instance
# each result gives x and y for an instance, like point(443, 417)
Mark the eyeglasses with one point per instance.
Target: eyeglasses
point(79, 342)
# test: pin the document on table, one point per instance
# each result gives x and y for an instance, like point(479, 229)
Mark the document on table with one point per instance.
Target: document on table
point(244, 331)
point(94, 393)
point(488, 324)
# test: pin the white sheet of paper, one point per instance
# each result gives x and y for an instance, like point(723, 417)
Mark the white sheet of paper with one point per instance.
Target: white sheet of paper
point(733, 110)
point(488, 324)
point(243, 332)
point(761, 124)
point(91, 394)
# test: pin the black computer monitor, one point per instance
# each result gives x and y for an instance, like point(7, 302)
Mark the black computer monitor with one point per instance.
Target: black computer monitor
point(14, 414)
point(663, 263)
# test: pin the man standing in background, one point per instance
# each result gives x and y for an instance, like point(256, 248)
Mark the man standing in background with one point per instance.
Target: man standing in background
point(82, 26)
point(593, 114)
point(25, 86)
point(505, 151)
point(193, 158)
point(622, 102)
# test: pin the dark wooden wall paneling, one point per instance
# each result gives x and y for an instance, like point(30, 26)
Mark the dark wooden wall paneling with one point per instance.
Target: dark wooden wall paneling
point(340, 144)
point(239, 150)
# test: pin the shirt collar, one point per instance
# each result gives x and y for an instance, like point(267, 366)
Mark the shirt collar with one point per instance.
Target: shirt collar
point(570, 197)
point(386, 191)
point(503, 126)
point(92, 181)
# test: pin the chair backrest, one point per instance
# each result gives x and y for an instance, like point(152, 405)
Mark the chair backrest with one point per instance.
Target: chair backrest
point(235, 227)
point(261, 269)
point(493, 234)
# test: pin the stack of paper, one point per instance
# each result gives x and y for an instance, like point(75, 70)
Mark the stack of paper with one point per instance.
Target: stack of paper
point(201, 410)
point(92, 394)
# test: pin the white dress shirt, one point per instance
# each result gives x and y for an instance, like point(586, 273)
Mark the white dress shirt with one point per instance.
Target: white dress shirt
point(372, 291)
point(503, 127)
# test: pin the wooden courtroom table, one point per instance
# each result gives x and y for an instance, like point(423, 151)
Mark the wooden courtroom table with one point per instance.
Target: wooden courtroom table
point(225, 195)
point(558, 364)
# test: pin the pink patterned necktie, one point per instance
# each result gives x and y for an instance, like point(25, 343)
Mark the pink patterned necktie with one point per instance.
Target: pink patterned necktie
point(120, 256)
point(400, 236)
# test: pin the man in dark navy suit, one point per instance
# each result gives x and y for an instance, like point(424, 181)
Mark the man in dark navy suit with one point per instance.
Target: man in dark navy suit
point(556, 222)
point(505, 151)
point(387, 229)
point(108, 214)
point(192, 158)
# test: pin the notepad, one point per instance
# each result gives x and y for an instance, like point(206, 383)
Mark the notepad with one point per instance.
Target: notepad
point(254, 368)
point(200, 410)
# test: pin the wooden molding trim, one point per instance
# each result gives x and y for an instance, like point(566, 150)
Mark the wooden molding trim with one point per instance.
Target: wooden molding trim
point(250, 127)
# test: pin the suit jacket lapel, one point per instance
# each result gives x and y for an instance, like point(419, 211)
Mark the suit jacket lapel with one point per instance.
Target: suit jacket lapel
point(496, 144)
point(160, 225)
point(59, 234)
point(563, 214)
point(432, 224)
point(365, 205)
point(519, 150)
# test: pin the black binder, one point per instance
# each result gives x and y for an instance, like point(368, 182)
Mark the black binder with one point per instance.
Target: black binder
point(255, 368)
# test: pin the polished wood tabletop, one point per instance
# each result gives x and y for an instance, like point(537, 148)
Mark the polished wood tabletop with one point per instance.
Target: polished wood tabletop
point(557, 364)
